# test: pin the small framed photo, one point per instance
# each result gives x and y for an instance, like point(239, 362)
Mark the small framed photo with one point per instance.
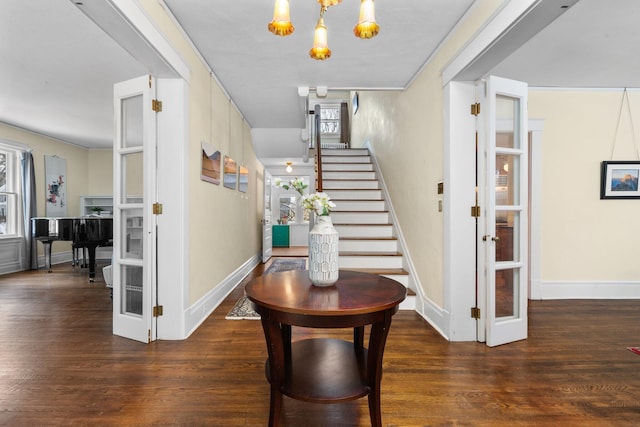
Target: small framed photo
point(619, 180)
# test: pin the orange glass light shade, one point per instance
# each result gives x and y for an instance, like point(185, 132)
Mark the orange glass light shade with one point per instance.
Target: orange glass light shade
point(329, 3)
point(320, 49)
point(367, 26)
point(281, 24)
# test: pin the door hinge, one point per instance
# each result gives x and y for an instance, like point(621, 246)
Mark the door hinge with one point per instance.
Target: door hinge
point(157, 208)
point(157, 311)
point(475, 211)
point(475, 313)
point(475, 109)
point(156, 105)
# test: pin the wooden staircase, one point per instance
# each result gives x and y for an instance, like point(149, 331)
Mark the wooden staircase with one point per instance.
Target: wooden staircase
point(367, 235)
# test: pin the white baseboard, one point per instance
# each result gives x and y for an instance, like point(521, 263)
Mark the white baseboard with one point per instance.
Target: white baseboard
point(201, 309)
point(56, 258)
point(437, 317)
point(585, 290)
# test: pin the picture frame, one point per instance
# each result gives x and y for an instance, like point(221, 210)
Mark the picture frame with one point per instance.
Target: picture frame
point(619, 180)
point(230, 173)
point(55, 186)
point(210, 170)
point(243, 179)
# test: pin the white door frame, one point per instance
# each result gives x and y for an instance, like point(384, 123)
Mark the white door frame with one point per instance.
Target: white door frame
point(459, 196)
point(267, 231)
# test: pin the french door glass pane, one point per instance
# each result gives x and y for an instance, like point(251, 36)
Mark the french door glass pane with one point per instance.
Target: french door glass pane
point(507, 179)
point(132, 122)
point(507, 231)
point(132, 177)
point(507, 294)
point(507, 111)
point(131, 246)
point(131, 289)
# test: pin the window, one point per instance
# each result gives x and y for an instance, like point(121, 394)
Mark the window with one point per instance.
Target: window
point(9, 191)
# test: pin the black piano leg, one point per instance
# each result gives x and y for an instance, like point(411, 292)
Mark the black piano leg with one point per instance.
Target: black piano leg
point(92, 262)
point(46, 244)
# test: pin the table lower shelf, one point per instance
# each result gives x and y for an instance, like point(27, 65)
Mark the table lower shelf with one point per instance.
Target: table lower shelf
point(325, 370)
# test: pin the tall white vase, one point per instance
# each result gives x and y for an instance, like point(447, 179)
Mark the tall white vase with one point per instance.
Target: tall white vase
point(323, 252)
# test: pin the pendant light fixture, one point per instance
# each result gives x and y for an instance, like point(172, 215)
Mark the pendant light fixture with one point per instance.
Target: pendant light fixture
point(366, 27)
point(281, 24)
point(320, 49)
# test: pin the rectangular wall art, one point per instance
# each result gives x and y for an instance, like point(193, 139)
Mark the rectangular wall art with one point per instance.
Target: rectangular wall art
point(230, 177)
point(55, 175)
point(210, 164)
point(243, 183)
point(619, 180)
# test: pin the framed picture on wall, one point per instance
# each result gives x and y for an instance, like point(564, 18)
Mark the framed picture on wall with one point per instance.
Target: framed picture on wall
point(619, 180)
point(230, 173)
point(243, 181)
point(210, 171)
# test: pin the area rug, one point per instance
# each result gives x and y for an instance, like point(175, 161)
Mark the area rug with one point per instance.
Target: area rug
point(635, 350)
point(243, 309)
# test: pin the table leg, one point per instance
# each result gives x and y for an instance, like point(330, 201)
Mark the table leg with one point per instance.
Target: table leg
point(274, 335)
point(358, 338)
point(377, 340)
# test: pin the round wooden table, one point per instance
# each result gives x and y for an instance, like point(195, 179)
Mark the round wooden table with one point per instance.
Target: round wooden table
point(325, 370)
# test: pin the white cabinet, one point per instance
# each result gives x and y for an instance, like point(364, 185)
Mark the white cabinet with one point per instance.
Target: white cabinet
point(96, 205)
point(101, 205)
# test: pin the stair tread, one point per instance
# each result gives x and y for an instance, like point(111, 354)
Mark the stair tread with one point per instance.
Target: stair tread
point(382, 271)
point(349, 179)
point(360, 212)
point(362, 225)
point(356, 200)
point(368, 238)
point(369, 253)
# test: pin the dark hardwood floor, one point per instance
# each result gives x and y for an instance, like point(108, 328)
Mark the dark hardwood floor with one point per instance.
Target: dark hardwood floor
point(60, 365)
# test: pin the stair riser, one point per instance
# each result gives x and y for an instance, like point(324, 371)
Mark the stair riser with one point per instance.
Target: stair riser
point(360, 217)
point(333, 167)
point(354, 194)
point(369, 261)
point(400, 278)
point(346, 159)
point(363, 231)
point(359, 205)
point(368, 245)
point(409, 303)
point(348, 175)
point(354, 185)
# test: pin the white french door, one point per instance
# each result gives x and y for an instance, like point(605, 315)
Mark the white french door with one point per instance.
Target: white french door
point(134, 228)
point(505, 227)
point(267, 242)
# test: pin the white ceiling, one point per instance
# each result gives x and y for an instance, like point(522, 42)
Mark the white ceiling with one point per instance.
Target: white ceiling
point(58, 68)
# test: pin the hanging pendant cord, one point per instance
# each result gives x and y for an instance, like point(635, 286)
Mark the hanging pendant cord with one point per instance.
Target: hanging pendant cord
point(633, 132)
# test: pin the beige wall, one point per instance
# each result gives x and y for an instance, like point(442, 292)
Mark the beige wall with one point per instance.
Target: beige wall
point(224, 224)
point(101, 172)
point(406, 131)
point(77, 160)
point(585, 238)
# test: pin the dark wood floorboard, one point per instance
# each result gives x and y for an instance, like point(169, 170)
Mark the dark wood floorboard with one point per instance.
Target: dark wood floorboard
point(60, 365)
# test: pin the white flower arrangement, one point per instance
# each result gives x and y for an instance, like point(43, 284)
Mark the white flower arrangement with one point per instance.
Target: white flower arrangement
point(320, 203)
point(294, 184)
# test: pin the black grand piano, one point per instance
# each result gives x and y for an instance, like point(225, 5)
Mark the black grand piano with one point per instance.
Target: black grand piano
point(84, 232)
